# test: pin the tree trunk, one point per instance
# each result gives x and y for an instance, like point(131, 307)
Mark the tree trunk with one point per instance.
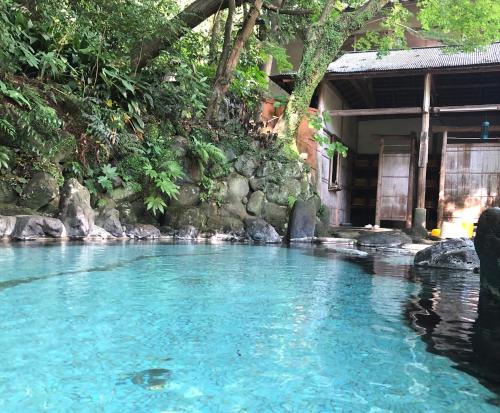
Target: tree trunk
point(193, 15)
point(323, 44)
point(225, 72)
point(214, 37)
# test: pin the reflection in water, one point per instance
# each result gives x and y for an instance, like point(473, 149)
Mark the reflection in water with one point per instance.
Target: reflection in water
point(451, 315)
point(448, 311)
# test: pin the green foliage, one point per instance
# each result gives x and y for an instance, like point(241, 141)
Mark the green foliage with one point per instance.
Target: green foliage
point(4, 158)
point(109, 174)
point(316, 122)
point(291, 201)
point(463, 24)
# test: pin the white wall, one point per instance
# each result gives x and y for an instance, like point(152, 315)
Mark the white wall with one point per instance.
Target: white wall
point(368, 144)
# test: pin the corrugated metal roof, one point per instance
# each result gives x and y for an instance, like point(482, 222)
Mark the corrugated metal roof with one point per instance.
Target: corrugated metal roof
point(413, 59)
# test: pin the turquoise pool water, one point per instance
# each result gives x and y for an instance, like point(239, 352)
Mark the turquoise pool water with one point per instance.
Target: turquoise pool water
point(230, 328)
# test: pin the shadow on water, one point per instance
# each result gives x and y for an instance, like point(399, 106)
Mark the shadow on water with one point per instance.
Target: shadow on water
point(448, 311)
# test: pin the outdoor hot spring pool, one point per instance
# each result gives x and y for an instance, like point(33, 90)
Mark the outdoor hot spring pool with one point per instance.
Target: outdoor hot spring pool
point(198, 328)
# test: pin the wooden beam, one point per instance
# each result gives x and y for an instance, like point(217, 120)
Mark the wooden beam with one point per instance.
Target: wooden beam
point(376, 112)
point(415, 110)
point(424, 142)
point(442, 176)
point(466, 108)
point(462, 129)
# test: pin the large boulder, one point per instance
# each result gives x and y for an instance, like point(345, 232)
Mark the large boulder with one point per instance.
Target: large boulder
point(456, 254)
point(255, 203)
point(189, 195)
point(135, 212)
point(487, 244)
point(109, 220)
point(237, 187)
point(258, 230)
point(246, 164)
point(32, 227)
point(281, 193)
point(276, 215)
point(142, 231)
point(40, 191)
point(302, 221)
point(384, 239)
point(7, 225)
point(75, 210)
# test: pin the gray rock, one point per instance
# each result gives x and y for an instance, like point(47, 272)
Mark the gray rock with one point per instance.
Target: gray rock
point(109, 220)
point(39, 191)
point(126, 193)
point(235, 209)
point(302, 221)
point(142, 231)
point(457, 254)
point(487, 244)
point(187, 232)
point(222, 221)
point(279, 194)
point(237, 187)
point(257, 184)
point(258, 230)
point(191, 216)
point(276, 215)
point(189, 195)
point(135, 212)
point(347, 251)
point(74, 209)
point(7, 225)
point(99, 233)
point(254, 205)
point(384, 239)
point(269, 168)
point(31, 227)
point(246, 165)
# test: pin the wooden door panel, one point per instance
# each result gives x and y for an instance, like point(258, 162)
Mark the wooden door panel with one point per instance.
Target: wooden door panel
point(395, 181)
point(471, 180)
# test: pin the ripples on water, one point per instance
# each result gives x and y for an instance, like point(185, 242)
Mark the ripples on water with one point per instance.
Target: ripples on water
point(196, 328)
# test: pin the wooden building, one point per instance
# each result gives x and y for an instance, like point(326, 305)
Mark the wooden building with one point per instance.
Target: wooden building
point(423, 131)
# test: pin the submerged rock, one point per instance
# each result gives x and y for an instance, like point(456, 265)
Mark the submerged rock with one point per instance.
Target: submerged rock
point(385, 239)
point(152, 379)
point(32, 227)
point(302, 221)
point(487, 244)
point(258, 230)
point(458, 254)
point(142, 231)
point(75, 210)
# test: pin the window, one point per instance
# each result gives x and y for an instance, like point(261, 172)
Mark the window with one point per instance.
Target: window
point(334, 182)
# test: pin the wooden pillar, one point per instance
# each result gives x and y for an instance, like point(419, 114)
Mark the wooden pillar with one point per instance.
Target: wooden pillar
point(424, 142)
point(442, 176)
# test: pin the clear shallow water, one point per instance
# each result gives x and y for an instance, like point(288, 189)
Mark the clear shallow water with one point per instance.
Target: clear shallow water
point(198, 328)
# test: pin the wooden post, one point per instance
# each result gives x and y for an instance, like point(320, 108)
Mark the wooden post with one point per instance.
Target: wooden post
point(411, 181)
point(379, 183)
point(424, 142)
point(442, 176)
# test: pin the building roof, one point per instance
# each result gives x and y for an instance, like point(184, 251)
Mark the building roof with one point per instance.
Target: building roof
point(413, 60)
